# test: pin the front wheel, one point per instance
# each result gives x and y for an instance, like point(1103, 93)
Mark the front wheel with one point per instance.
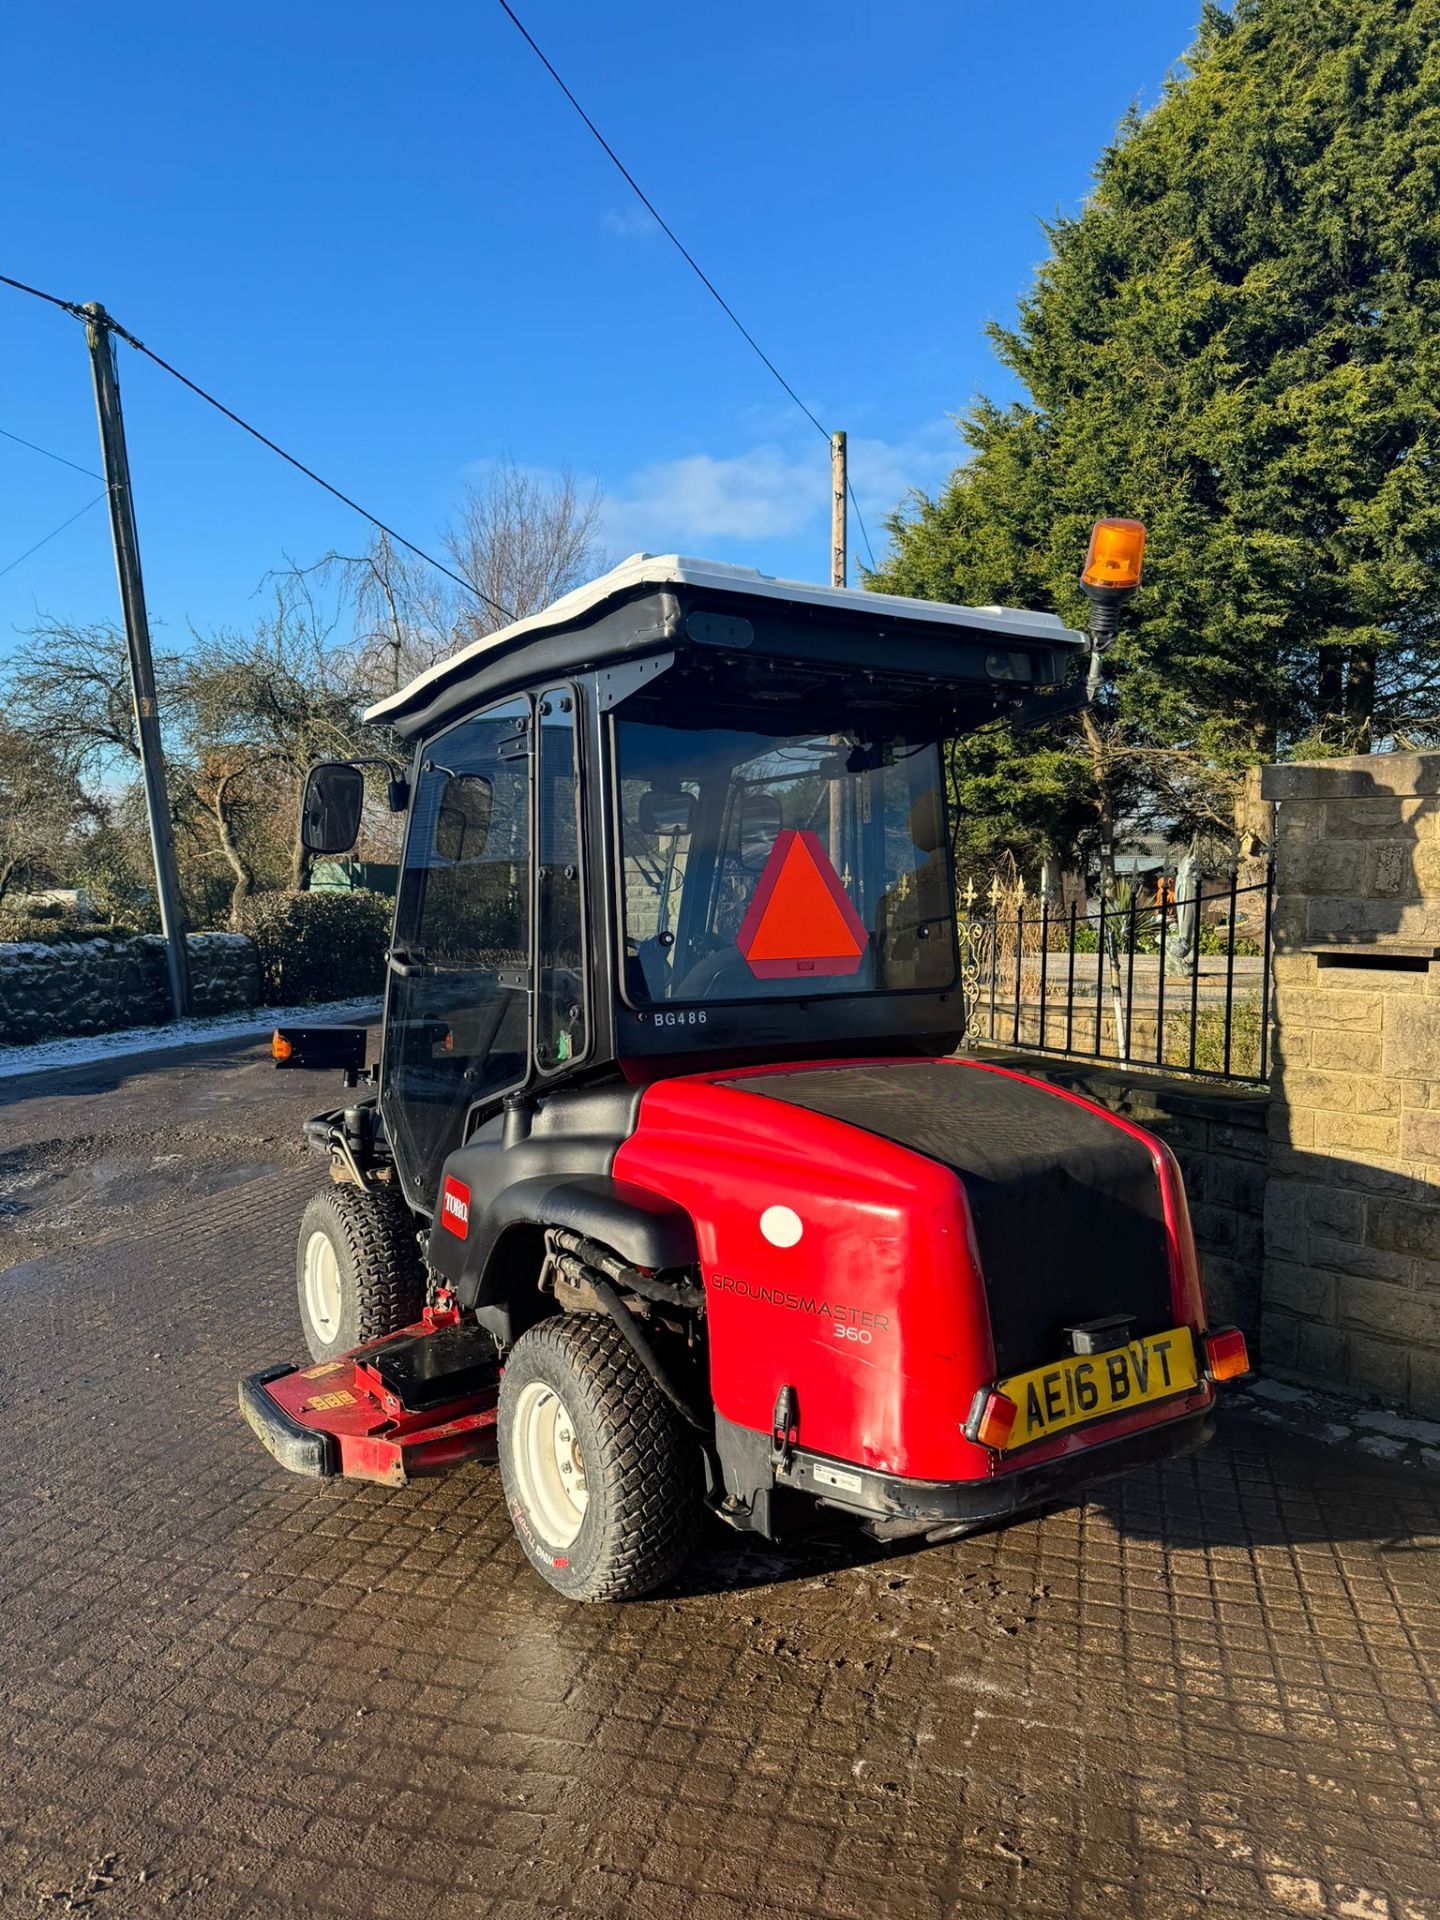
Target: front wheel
point(600, 1473)
point(358, 1274)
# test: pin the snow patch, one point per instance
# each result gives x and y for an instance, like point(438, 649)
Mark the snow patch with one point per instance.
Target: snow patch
point(1400, 1426)
point(1277, 1390)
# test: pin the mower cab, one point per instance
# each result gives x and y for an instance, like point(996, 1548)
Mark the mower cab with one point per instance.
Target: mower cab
point(668, 1182)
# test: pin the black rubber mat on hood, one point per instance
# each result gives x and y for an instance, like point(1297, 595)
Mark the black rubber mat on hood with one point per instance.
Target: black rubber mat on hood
point(1066, 1204)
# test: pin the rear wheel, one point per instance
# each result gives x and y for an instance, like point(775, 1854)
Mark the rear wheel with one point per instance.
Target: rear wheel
point(359, 1274)
point(601, 1475)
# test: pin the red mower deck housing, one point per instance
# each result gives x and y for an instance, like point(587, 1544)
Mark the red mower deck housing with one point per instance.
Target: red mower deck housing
point(416, 1402)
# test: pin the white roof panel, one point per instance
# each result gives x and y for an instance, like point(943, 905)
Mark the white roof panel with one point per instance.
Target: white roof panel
point(716, 576)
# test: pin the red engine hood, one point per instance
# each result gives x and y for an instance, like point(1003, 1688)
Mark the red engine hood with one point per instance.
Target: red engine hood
point(870, 1233)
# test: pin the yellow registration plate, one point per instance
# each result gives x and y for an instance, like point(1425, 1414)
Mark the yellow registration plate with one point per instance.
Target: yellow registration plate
point(1049, 1399)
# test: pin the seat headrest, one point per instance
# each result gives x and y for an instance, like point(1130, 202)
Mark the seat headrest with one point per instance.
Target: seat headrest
point(927, 822)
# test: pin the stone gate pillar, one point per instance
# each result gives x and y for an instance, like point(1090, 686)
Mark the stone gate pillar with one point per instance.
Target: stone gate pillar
point(1351, 1291)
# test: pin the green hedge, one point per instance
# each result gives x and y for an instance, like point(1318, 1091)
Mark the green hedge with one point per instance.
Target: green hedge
point(54, 929)
point(318, 946)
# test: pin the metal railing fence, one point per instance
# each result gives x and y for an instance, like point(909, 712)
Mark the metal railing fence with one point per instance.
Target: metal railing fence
point(1148, 980)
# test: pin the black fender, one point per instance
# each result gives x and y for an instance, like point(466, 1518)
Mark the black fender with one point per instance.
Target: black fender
point(498, 1256)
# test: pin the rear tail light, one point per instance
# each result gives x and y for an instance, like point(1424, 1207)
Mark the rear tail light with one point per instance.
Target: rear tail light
point(1226, 1356)
point(280, 1047)
point(991, 1418)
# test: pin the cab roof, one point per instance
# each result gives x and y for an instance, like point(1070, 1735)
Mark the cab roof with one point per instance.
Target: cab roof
point(644, 575)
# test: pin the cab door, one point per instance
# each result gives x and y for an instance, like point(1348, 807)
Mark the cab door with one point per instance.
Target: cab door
point(457, 1013)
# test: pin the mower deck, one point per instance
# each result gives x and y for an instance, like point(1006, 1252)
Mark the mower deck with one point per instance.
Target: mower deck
point(415, 1402)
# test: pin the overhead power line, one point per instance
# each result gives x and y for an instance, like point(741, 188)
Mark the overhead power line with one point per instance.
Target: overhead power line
point(38, 293)
point(660, 220)
point(74, 464)
point(79, 313)
point(310, 473)
point(54, 532)
point(680, 247)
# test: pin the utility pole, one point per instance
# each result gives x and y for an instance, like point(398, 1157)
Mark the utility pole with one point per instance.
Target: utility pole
point(837, 579)
point(137, 640)
point(839, 486)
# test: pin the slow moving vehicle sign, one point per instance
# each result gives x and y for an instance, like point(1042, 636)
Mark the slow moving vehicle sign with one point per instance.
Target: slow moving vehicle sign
point(801, 920)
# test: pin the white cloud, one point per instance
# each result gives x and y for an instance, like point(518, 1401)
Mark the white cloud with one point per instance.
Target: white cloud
point(882, 472)
point(764, 494)
point(773, 491)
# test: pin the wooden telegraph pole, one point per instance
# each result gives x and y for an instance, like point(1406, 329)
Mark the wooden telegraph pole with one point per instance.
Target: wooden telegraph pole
point(839, 486)
point(137, 640)
point(837, 579)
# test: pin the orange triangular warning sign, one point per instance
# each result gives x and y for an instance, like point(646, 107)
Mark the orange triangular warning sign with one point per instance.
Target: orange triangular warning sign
point(800, 922)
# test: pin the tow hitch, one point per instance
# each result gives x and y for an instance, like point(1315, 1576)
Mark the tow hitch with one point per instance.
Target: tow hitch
point(415, 1402)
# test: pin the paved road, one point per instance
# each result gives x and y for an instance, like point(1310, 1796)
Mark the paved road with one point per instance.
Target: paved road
point(223, 1692)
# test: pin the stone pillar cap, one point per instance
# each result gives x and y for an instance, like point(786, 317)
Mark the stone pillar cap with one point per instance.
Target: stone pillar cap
point(1355, 776)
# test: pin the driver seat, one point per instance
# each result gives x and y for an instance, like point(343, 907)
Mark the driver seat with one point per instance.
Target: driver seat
point(912, 912)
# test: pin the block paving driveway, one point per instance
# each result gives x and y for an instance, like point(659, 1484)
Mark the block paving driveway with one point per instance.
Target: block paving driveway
point(225, 1692)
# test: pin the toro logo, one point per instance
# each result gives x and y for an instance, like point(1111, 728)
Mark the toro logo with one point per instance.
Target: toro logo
point(455, 1207)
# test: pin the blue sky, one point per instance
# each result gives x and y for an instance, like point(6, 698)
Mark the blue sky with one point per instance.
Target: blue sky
point(381, 234)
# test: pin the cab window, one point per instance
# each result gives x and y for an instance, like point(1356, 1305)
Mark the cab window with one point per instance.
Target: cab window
point(755, 865)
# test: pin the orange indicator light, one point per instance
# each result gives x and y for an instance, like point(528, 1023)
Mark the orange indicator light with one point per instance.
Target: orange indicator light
point(991, 1418)
point(1226, 1355)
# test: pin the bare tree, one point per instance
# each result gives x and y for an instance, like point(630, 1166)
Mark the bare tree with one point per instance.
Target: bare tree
point(244, 714)
point(260, 708)
point(69, 688)
point(44, 811)
point(522, 542)
point(68, 696)
point(404, 618)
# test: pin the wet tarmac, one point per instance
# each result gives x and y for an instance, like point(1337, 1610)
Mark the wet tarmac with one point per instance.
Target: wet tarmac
point(225, 1692)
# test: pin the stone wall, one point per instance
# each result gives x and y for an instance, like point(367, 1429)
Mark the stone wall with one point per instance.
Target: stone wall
point(1352, 1271)
point(1219, 1137)
point(53, 991)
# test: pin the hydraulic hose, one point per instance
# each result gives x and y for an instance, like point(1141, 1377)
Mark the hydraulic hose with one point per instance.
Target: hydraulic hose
point(639, 1344)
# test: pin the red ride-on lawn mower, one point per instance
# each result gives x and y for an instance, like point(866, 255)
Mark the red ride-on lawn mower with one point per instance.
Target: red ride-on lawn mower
point(667, 1182)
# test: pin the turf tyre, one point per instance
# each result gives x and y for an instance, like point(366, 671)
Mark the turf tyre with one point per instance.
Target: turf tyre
point(642, 1467)
point(377, 1282)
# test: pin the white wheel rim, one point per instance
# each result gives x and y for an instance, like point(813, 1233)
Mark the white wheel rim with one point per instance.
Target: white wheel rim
point(549, 1470)
point(322, 1286)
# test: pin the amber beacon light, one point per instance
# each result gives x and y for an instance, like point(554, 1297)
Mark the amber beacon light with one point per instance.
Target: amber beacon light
point(1110, 576)
point(1116, 555)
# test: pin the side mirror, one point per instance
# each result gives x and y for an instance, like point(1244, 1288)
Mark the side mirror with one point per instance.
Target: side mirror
point(330, 810)
point(462, 825)
point(666, 812)
point(761, 822)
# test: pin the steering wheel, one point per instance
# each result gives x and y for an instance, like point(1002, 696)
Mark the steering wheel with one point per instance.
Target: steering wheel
point(719, 976)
